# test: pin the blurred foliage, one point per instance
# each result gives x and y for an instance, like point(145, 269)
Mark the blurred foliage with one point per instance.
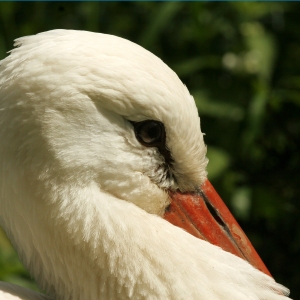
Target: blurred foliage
point(241, 62)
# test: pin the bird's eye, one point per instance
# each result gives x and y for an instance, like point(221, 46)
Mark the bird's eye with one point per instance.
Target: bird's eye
point(150, 133)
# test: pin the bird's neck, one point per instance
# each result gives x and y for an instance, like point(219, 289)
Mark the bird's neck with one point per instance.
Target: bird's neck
point(72, 249)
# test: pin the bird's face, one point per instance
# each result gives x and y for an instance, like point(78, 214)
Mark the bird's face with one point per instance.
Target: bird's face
point(97, 110)
point(109, 111)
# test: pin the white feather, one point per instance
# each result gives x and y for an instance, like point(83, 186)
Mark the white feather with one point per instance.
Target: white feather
point(81, 198)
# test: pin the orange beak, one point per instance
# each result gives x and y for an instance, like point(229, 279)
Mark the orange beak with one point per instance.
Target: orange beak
point(205, 216)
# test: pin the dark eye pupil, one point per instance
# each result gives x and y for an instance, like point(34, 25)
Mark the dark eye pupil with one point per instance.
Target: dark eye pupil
point(149, 133)
point(152, 133)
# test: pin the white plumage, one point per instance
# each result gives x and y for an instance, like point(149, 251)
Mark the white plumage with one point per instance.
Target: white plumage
point(81, 198)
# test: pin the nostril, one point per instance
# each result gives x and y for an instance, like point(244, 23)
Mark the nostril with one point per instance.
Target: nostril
point(168, 208)
point(214, 213)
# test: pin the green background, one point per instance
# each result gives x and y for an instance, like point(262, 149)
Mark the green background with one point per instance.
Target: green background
point(241, 62)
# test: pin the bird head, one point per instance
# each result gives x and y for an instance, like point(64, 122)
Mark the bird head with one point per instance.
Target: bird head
point(92, 110)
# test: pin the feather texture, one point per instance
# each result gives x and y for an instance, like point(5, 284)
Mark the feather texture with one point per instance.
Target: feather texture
point(81, 198)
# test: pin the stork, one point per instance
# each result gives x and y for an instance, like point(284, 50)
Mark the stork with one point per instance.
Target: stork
point(102, 160)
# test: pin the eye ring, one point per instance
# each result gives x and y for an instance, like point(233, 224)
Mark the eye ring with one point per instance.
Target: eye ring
point(150, 133)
